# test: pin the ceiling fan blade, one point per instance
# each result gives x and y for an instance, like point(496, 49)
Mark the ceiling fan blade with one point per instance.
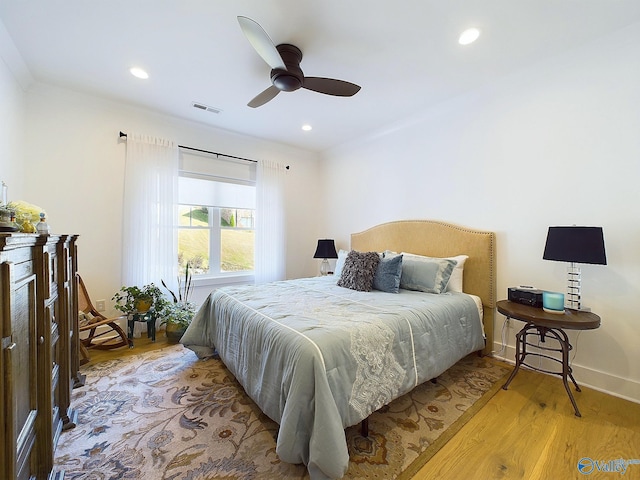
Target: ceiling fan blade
point(331, 86)
point(264, 97)
point(261, 42)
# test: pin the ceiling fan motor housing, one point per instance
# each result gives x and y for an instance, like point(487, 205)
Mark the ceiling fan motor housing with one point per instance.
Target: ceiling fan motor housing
point(286, 74)
point(292, 78)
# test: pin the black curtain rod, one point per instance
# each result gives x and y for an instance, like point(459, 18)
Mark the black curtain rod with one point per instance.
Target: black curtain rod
point(122, 134)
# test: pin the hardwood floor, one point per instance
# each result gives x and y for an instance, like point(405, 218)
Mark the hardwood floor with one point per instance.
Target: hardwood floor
point(527, 432)
point(530, 432)
point(140, 345)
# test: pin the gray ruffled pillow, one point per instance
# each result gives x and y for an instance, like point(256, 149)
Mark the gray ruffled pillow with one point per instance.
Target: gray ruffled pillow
point(358, 271)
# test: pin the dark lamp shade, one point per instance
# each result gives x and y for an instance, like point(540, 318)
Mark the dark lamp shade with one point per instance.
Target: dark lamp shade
point(326, 249)
point(575, 244)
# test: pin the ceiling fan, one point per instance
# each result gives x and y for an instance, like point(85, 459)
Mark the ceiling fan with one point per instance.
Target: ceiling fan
point(286, 75)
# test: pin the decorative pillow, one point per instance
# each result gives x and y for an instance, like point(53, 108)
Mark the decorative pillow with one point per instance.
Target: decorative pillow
point(455, 282)
point(425, 274)
point(358, 271)
point(388, 273)
point(342, 256)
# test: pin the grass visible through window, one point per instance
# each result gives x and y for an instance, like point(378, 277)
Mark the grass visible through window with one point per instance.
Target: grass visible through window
point(237, 244)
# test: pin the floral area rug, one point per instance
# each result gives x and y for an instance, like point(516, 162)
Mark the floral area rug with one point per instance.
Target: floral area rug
point(167, 415)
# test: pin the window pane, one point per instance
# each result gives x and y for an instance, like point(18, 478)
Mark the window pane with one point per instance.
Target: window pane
point(193, 216)
point(227, 217)
point(236, 218)
point(244, 218)
point(193, 247)
point(184, 216)
point(237, 250)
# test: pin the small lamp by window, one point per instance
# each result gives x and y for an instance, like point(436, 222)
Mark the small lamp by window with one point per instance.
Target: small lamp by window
point(575, 245)
point(326, 249)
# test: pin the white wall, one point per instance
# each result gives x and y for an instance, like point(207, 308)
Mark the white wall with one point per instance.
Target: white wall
point(76, 166)
point(11, 129)
point(556, 144)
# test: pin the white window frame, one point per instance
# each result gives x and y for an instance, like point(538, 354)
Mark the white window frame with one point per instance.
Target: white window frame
point(215, 229)
point(215, 276)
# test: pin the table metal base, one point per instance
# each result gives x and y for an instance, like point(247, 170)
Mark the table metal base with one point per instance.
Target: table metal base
point(541, 333)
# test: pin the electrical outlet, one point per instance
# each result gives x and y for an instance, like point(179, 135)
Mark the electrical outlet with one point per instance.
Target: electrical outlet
point(100, 305)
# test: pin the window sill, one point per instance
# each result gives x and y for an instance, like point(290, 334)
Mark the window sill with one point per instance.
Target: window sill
point(222, 280)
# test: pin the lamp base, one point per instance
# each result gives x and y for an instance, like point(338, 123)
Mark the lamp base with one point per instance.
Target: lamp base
point(324, 267)
point(581, 309)
point(574, 286)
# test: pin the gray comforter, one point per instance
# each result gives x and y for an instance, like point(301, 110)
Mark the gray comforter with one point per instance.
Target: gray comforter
point(317, 358)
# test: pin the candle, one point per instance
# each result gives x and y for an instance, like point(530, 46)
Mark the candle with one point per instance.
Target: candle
point(553, 302)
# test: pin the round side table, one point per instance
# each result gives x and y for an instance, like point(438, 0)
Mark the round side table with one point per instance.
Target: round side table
point(541, 324)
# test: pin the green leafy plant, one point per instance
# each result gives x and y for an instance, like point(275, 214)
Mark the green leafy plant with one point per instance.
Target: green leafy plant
point(128, 299)
point(184, 287)
point(181, 311)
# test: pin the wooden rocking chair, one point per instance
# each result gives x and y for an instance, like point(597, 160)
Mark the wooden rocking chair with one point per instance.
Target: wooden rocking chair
point(103, 333)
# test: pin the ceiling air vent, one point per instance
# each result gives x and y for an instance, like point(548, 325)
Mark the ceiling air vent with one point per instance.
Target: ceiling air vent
point(207, 108)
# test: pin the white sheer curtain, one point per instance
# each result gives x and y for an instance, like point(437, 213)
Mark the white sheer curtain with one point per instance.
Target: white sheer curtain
point(149, 247)
point(270, 222)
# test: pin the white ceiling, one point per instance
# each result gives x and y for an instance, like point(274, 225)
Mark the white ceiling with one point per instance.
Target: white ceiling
point(404, 54)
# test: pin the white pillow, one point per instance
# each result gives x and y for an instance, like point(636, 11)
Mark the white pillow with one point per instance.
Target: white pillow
point(455, 281)
point(342, 256)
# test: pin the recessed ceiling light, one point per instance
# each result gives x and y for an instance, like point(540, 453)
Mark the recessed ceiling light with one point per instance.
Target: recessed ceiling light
point(307, 127)
point(138, 72)
point(470, 35)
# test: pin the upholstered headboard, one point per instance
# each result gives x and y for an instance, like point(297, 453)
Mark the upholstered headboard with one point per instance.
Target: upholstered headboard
point(440, 239)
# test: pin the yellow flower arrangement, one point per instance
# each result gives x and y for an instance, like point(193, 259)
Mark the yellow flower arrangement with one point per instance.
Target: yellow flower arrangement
point(27, 215)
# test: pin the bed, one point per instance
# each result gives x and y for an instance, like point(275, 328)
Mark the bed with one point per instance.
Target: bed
point(317, 357)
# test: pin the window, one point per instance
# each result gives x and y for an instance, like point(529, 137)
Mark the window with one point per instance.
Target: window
point(215, 240)
point(216, 216)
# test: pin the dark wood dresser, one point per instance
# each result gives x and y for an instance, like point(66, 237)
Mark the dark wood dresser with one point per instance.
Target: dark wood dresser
point(39, 362)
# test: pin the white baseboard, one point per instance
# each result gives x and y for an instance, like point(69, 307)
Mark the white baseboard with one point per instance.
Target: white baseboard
point(603, 382)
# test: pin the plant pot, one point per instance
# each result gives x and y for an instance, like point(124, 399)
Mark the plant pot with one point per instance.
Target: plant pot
point(174, 332)
point(143, 304)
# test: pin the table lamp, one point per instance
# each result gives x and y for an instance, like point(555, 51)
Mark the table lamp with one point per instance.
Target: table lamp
point(575, 245)
point(326, 249)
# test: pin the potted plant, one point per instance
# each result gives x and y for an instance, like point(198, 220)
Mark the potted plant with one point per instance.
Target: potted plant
point(130, 300)
point(178, 315)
